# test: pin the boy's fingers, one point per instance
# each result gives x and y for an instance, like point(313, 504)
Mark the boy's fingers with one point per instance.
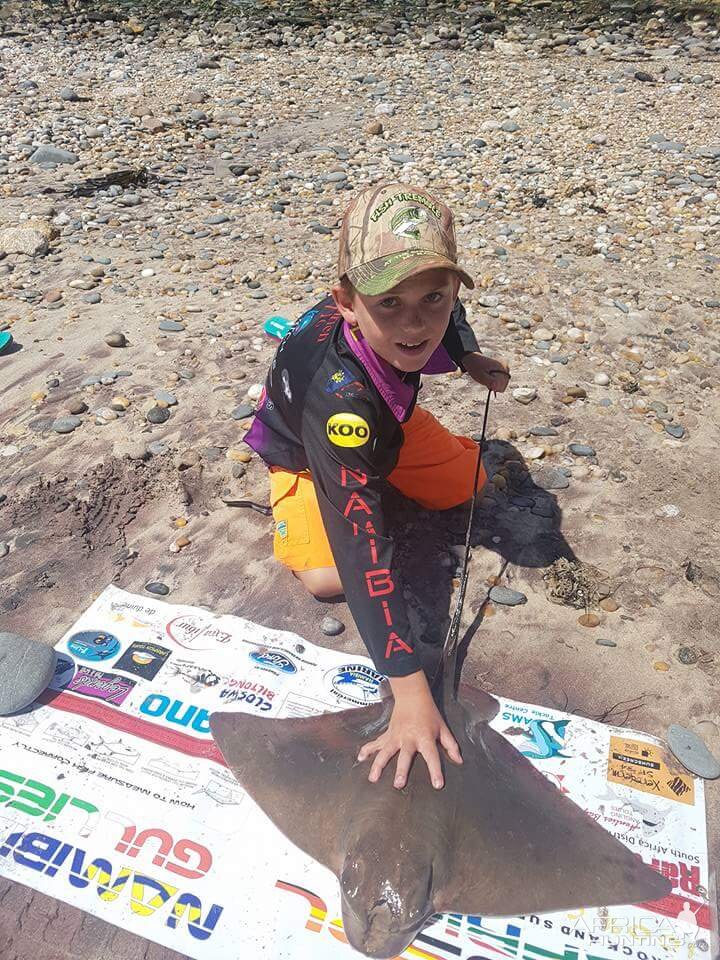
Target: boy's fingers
point(450, 744)
point(367, 749)
point(432, 759)
point(403, 767)
point(380, 762)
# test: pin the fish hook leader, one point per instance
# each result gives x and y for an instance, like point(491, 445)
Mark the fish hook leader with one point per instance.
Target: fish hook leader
point(451, 641)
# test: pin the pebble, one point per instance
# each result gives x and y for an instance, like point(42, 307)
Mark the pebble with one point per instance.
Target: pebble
point(164, 396)
point(603, 642)
point(609, 605)
point(524, 394)
point(158, 448)
point(551, 478)
point(171, 326)
point(543, 432)
point(589, 620)
point(601, 379)
point(507, 597)
point(116, 340)
point(157, 415)
point(4, 549)
point(331, 626)
point(692, 752)
point(675, 430)
point(581, 450)
point(242, 412)
point(157, 587)
point(66, 424)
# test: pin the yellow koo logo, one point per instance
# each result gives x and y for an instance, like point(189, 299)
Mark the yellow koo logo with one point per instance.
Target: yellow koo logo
point(347, 430)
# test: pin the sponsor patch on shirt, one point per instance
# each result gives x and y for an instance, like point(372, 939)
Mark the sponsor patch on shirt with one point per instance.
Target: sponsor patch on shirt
point(347, 430)
point(282, 529)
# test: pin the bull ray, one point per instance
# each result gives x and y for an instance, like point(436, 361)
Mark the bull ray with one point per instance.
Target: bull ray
point(498, 840)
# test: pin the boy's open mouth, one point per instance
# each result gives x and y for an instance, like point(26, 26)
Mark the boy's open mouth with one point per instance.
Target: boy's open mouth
point(411, 348)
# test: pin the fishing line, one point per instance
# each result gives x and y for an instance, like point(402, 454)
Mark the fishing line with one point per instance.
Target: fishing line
point(451, 641)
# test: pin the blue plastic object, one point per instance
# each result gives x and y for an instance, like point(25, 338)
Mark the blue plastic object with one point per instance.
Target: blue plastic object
point(5, 340)
point(277, 326)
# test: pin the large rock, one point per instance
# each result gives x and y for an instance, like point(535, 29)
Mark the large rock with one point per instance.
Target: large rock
point(31, 239)
point(26, 668)
point(50, 154)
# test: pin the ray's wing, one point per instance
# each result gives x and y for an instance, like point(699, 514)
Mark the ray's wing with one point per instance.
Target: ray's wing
point(522, 847)
point(298, 770)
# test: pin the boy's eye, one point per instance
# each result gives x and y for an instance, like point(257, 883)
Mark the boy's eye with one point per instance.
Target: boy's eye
point(435, 296)
point(388, 302)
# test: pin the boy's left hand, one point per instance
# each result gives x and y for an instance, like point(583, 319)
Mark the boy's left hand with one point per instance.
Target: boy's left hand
point(488, 371)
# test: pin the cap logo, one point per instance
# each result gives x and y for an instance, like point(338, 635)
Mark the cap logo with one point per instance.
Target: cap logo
point(407, 223)
point(404, 197)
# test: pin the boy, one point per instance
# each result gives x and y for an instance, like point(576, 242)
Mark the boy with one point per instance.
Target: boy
point(337, 419)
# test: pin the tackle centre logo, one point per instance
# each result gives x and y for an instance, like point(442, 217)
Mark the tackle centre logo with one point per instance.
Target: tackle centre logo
point(347, 430)
point(356, 683)
point(93, 645)
point(273, 660)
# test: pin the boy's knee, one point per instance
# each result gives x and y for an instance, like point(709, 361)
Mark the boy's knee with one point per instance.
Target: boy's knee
point(323, 582)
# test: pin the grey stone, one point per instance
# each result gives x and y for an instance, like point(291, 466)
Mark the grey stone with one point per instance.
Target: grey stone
point(670, 146)
point(217, 218)
point(158, 588)
point(116, 339)
point(581, 450)
point(509, 126)
point(164, 396)
point(331, 626)
point(675, 430)
point(66, 424)
point(93, 297)
point(26, 668)
point(551, 478)
point(507, 597)
point(158, 448)
point(692, 752)
point(543, 432)
point(171, 326)
point(4, 549)
point(68, 94)
point(603, 642)
point(157, 415)
point(242, 412)
point(50, 154)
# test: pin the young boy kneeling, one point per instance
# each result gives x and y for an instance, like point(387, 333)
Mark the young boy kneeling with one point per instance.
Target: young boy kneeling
point(338, 420)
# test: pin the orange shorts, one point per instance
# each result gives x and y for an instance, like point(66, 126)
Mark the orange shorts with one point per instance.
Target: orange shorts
point(435, 468)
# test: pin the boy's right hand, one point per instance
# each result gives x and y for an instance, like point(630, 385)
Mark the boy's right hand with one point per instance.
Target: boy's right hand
point(415, 726)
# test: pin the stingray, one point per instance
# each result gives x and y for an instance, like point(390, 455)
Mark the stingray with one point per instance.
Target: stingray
point(498, 840)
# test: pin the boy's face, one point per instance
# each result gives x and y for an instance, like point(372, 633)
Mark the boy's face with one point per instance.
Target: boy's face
point(405, 324)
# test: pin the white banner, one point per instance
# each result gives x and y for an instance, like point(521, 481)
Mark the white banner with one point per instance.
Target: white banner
point(113, 797)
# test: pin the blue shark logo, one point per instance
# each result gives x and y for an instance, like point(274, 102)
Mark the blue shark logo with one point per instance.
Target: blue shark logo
point(357, 683)
point(546, 744)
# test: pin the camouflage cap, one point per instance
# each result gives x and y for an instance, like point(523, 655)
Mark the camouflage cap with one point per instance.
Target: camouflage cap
point(393, 231)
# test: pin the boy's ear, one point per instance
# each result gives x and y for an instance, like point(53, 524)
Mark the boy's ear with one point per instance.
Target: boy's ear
point(343, 301)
